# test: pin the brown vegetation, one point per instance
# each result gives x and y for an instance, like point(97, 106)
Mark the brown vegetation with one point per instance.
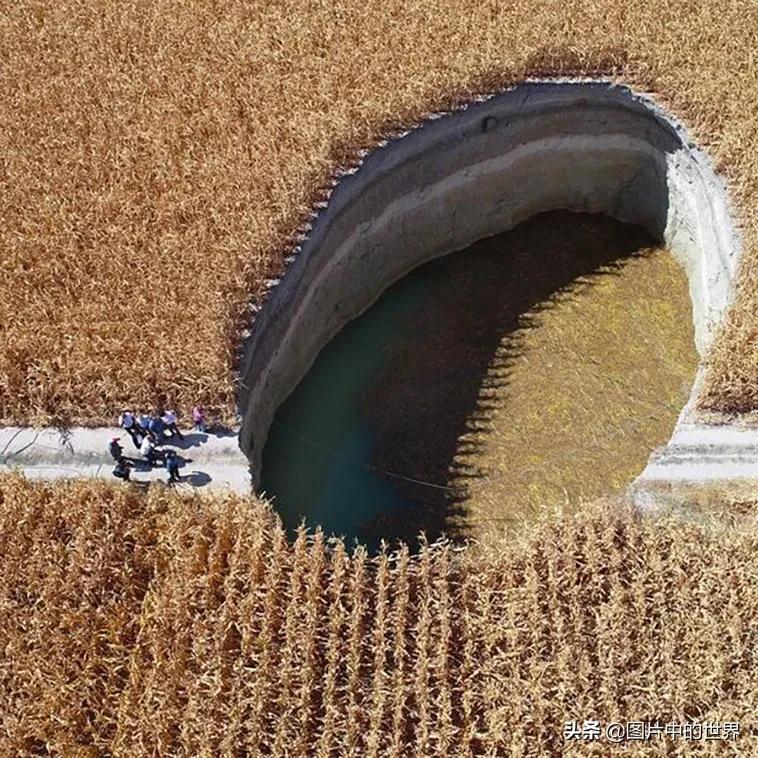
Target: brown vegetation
point(138, 625)
point(557, 368)
point(158, 159)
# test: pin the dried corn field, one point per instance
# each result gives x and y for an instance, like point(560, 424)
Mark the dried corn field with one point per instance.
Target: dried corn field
point(158, 159)
point(135, 625)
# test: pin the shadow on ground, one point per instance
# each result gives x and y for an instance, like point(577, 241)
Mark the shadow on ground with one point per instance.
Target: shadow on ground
point(189, 440)
point(194, 478)
point(445, 380)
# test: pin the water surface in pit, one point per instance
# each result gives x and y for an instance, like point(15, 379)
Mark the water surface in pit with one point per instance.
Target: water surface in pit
point(537, 368)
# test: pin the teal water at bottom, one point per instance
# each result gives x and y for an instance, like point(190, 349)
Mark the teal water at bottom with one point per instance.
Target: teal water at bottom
point(317, 459)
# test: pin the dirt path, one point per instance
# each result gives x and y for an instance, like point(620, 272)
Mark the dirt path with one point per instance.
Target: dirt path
point(701, 453)
point(208, 461)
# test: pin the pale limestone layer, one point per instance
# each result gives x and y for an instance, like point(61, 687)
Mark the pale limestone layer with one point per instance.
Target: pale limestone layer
point(584, 146)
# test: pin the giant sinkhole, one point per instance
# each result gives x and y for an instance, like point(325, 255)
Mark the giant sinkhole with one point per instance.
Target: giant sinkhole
point(541, 156)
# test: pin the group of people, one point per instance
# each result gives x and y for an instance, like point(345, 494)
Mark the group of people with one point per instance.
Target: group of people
point(148, 431)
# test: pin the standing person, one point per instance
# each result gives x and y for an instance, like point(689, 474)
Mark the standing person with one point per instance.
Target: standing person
point(198, 416)
point(157, 427)
point(129, 424)
point(148, 450)
point(172, 466)
point(169, 419)
point(116, 451)
point(143, 419)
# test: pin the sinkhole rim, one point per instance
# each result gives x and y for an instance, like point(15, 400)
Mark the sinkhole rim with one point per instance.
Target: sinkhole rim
point(581, 144)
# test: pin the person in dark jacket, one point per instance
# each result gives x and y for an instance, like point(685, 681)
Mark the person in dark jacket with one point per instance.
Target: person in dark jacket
point(116, 451)
point(121, 469)
point(172, 466)
point(157, 427)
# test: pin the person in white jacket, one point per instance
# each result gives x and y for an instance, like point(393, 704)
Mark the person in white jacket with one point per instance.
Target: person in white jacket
point(169, 419)
point(128, 423)
point(151, 454)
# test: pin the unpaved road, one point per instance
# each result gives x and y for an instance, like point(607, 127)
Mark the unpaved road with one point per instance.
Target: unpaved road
point(210, 461)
